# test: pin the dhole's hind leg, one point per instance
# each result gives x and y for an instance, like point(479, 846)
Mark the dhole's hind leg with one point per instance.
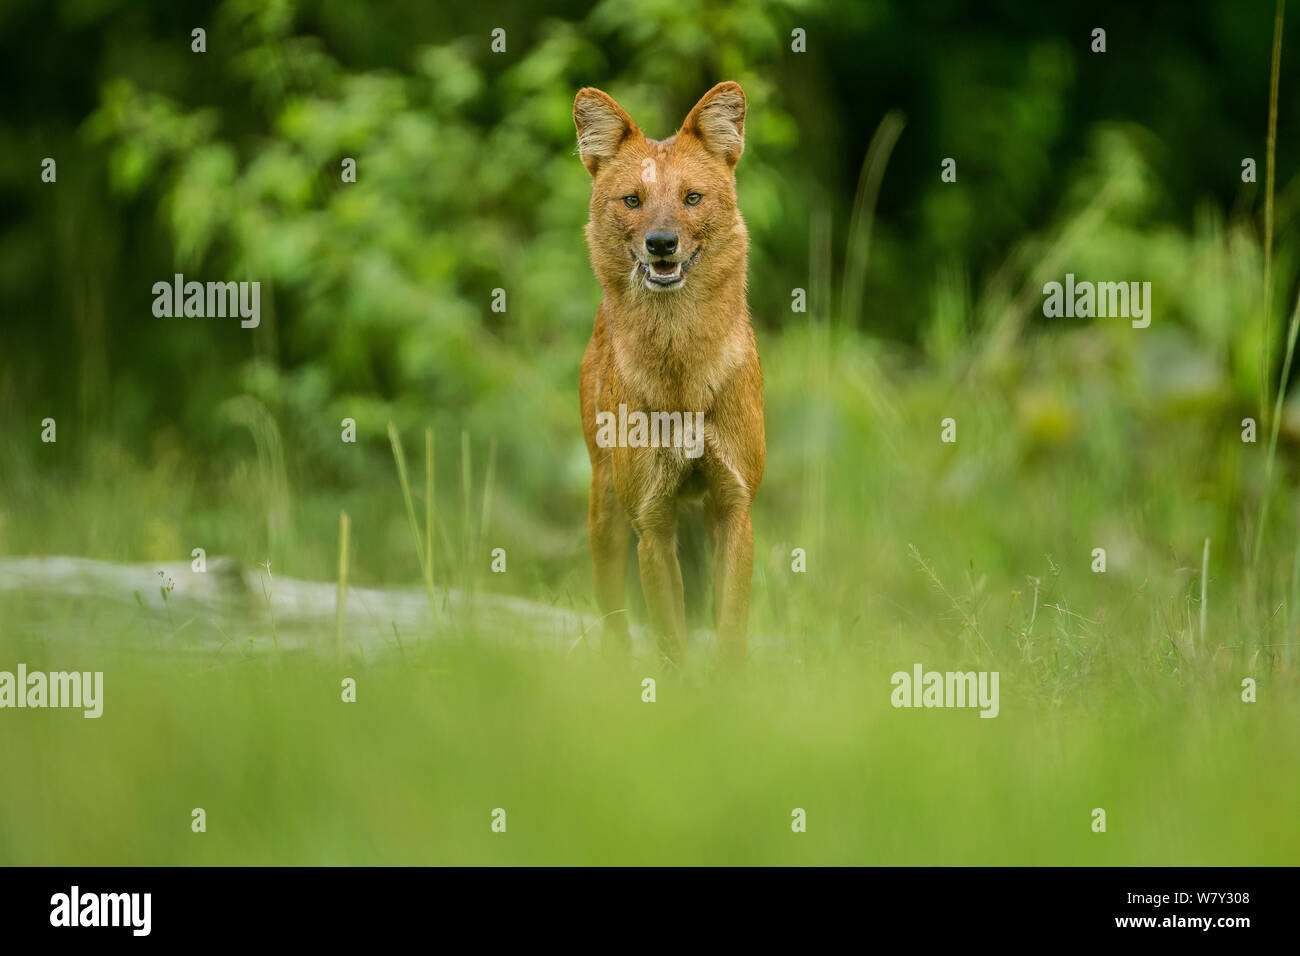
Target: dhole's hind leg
point(610, 533)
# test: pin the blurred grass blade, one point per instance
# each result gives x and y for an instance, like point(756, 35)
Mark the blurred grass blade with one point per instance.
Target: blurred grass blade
point(1271, 457)
point(425, 556)
point(864, 212)
point(429, 504)
point(344, 528)
point(1268, 210)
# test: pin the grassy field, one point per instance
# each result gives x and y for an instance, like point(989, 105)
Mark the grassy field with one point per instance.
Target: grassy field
point(1113, 527)
point(1119, 690)
point(587, 773)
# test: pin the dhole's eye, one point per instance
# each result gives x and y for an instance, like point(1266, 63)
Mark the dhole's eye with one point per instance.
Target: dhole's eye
point(632, 201)
point(693, 199)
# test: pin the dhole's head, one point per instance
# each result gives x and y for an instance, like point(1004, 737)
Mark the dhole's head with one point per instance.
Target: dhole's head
point(664, 217)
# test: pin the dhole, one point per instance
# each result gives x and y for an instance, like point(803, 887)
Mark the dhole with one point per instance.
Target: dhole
point(672, 334)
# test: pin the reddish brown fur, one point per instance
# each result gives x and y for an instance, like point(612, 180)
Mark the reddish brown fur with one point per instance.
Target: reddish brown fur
point(687, 348)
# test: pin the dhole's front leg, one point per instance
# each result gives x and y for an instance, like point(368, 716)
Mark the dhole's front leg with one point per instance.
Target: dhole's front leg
point(733, 561)
point(661, 581)
point(610, 533)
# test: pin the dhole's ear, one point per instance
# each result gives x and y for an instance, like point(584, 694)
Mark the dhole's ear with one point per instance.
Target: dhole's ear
point(718, 120)
point(602, 125)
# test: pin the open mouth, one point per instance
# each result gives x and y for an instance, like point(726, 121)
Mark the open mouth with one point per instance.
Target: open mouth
point(663, 273)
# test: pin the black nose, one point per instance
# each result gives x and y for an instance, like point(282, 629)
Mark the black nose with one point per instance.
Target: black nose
point(661, 243)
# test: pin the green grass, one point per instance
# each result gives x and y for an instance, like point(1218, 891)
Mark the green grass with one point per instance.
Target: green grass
point(587, 773)
point(974, 555)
